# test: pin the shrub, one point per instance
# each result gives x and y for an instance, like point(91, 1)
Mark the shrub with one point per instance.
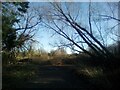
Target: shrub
point(8, 58)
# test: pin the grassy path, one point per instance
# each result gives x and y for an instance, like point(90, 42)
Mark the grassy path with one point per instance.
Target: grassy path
point(57, 77)
point(46, 76)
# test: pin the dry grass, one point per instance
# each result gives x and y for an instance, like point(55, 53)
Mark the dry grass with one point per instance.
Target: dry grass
point(90, 69)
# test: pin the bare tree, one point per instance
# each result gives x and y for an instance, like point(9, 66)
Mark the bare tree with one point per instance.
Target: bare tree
point(64, 18)
point(27, 28)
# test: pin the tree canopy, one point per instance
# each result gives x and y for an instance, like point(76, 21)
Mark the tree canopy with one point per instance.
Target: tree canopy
point(11, 11)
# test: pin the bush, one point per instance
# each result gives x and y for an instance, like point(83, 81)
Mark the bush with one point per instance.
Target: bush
point(8, 58)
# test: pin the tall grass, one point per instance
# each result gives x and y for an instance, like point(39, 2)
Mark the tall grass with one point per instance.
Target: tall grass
point(103, 75)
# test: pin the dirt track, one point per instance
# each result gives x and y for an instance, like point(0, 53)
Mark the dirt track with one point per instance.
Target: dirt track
point(58, 77)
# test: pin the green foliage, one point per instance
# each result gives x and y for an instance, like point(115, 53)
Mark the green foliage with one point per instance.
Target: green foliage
point(11, 11)
point(5, 58)
point(8, 58)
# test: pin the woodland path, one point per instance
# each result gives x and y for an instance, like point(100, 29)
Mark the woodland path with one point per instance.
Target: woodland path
point(58, 77)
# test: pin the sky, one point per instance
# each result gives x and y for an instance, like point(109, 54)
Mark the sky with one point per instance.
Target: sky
point(44, 36)
point(74, 0)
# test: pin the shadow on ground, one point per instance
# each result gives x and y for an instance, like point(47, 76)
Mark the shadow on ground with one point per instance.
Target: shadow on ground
point(58, 77)
point(49, 76)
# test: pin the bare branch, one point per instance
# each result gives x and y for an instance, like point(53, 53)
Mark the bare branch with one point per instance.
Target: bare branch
point(99, 30)
point(90, 25)
point(110, 17)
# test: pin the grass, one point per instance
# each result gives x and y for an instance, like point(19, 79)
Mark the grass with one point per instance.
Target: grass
point(99, 74)
point(96, 72)
point(103, 75)
point(94, 75)
point(18, 75)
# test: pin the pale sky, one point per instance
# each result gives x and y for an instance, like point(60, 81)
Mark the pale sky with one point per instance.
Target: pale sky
point(44, 37)
point(74, 0)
